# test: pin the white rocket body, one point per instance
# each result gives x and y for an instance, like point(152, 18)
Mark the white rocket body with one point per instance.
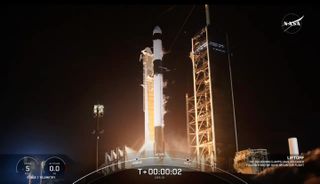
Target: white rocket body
point(158, 92)
point(147, 59)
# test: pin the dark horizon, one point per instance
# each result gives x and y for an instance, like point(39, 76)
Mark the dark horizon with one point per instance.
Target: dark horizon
point(60, 60)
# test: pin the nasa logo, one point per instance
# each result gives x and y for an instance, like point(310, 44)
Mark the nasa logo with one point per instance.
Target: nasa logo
point(291, 23)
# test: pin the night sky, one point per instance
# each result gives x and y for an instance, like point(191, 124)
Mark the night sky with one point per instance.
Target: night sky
point(60, 60)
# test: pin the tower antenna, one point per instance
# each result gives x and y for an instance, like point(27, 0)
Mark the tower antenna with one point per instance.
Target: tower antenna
point(207, 14)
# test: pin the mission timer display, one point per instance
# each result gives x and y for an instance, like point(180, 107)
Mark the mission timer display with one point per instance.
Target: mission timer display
point(160, 171)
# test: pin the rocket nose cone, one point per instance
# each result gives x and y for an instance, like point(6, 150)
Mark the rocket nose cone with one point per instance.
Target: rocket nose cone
point(157, 30)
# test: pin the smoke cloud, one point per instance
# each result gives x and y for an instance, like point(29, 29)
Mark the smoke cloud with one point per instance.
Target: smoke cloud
point(308, 174)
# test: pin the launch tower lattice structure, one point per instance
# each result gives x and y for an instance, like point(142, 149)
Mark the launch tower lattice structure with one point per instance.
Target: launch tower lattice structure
point(200, 123)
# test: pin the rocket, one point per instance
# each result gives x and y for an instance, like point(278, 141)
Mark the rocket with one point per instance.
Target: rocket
point(158, 92)
point(147, 58)
point(153, 97)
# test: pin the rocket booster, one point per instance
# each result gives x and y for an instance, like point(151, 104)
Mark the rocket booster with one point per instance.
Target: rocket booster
point(158, 92)
point(147, 58)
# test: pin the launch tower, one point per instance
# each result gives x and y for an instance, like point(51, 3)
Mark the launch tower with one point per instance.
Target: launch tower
point(210, 112)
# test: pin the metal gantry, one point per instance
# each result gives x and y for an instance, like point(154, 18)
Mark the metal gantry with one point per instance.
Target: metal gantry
point(191, 126)
point(201, 127)
point(115, 160)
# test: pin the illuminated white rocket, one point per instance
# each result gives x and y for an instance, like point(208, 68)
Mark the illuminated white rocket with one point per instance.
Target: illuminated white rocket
point(158, 92)
point(147, 58)
point(153, 98)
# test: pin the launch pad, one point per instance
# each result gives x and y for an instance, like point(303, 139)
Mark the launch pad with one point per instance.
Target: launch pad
point(211, 128)
point(211, 122)
point(210, 111)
